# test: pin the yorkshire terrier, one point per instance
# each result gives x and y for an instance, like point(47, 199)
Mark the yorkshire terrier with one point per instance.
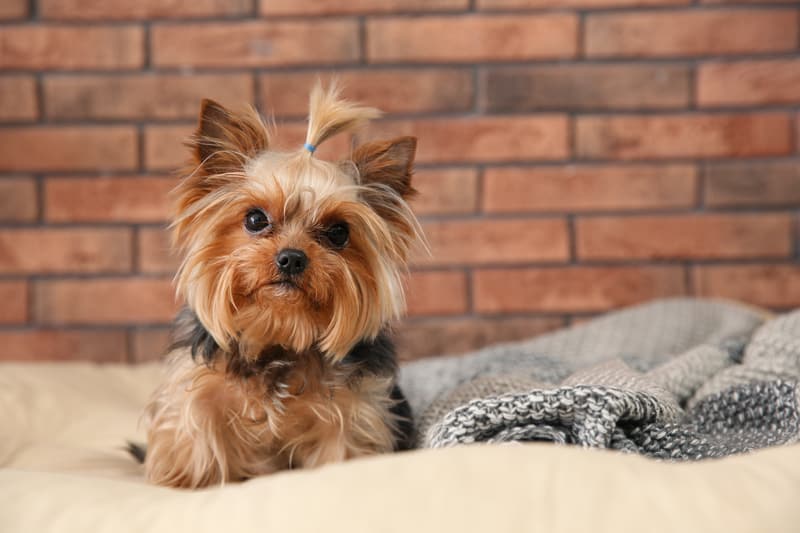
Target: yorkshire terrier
point(292, 271)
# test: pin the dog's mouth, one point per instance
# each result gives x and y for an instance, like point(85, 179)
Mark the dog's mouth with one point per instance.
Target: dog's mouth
point(285, 289)
point(282, 289)
point(286, 284)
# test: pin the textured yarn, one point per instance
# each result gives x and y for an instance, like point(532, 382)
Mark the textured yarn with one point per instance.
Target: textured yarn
point(677, 379)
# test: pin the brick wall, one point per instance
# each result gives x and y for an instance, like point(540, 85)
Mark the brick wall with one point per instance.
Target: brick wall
point(575, 155)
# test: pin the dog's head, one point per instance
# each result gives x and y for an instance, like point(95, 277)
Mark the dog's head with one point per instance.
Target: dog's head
point(282, 248)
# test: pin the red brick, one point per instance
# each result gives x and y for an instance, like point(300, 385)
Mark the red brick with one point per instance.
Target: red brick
point(513, 138)
point(78, 250)
point(149, 344)
point(797, 132)
point(486, 241)
point(255, 44)
point(472, 38)
point(141, 9)
point(105, 301)
point(392, 91)
point(440, 337)
point(752, 183)
point(437, 293)
point(682, 33)
point(751, 2)
point(18, 199)
point(60, 345)
point(776, 286)
point(136, 97)
point(582, 289)
point(585, 86)
point(588, 188)
point(551, 4)
point(445, 191)
point(18, 98)
point(355, 7)
point(136, 199)
point(164, 147)
point(679, 136)
point(14, 309)
point(713, 236)
point(71, 47)
point(13, 9)
point(155, 253)
point(68, 148)
point(749, 83)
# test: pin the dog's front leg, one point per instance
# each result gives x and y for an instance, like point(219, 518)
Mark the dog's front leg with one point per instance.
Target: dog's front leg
point(203, 431)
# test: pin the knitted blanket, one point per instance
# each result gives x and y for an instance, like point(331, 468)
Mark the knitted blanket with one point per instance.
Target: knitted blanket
point(678, 379)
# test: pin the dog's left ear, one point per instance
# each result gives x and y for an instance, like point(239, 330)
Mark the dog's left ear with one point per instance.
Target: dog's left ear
point(388, 162)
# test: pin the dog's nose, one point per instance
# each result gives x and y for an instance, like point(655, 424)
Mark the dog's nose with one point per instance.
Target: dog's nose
point(291, 261)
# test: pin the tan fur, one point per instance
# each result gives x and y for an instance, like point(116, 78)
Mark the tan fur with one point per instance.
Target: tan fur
point(210, 427)
point(245, 415)
point(329, 114)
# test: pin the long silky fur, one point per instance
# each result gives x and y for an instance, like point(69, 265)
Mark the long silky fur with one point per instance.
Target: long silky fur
point(260, 380)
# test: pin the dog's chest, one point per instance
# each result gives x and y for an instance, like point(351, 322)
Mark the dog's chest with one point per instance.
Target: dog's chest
point(307, 411)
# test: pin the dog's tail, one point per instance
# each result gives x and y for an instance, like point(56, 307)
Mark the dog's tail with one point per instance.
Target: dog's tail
point(138, 451)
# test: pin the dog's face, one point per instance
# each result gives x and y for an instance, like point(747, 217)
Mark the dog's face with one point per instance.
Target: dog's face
point(285, 249)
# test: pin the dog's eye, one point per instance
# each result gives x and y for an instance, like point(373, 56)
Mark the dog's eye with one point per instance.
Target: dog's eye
point(338, 235)
point(256, 221)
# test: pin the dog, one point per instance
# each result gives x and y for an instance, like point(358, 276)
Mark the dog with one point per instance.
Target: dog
point(292, 272)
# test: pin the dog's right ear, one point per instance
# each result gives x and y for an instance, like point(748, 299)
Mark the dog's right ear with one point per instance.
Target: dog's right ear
point(224, 140)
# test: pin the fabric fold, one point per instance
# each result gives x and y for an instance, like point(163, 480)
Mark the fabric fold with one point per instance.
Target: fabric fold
point(676, 379)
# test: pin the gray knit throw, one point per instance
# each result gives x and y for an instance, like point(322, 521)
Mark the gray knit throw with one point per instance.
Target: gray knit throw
point(679, 379)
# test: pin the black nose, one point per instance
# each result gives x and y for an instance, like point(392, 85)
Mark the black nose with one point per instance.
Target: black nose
point(291, 261)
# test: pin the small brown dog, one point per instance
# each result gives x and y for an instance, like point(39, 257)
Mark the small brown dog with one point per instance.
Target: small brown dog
point(291, 272)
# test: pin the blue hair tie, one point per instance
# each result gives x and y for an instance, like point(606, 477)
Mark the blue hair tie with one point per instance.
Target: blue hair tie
point(310, 147)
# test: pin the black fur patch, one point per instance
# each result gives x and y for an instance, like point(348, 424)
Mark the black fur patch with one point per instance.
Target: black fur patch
point(375, 357)
point(404, 431)
point(190, 333)
point(378, 357)
point(138, 451)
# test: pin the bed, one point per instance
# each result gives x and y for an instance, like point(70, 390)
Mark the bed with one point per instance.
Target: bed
point(64, 468)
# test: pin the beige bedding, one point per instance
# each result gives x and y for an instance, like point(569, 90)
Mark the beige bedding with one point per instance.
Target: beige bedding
point(63, 426)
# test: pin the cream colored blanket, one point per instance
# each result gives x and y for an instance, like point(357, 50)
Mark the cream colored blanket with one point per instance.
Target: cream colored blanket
point(64, 470)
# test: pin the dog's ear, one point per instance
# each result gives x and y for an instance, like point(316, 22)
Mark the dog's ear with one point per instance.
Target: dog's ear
point(387, 162)
point(222, 144)
point(225, 140)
